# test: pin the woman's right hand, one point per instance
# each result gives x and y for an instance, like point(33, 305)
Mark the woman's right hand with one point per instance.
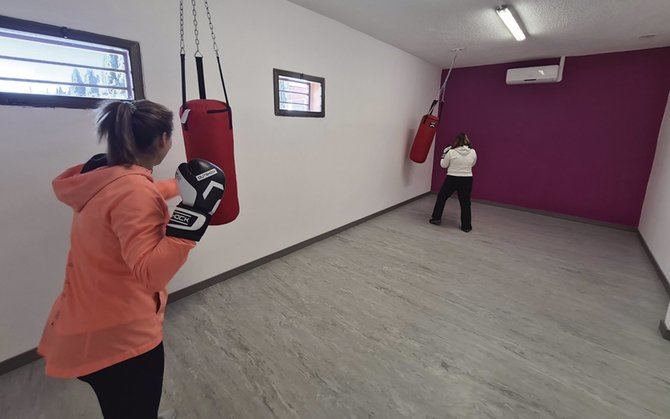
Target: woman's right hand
point(201, 185)
point(446, 150)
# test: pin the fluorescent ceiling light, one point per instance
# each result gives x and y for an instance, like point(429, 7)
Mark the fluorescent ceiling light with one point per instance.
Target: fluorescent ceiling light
point(508, 19)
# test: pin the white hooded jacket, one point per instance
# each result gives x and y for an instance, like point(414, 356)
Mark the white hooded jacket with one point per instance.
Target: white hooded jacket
point(459, 161)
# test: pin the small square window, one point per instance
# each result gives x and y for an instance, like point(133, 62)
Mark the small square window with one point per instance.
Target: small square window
point(298, 94)
point(45, 65)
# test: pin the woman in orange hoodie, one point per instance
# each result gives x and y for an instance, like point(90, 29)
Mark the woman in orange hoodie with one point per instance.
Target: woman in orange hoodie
point(106, 325)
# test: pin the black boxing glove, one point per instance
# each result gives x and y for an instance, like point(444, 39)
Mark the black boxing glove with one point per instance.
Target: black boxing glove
point(446, 150)
point(201, 185)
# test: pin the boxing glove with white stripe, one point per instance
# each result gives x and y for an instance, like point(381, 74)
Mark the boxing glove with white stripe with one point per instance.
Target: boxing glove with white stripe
point(201, 185)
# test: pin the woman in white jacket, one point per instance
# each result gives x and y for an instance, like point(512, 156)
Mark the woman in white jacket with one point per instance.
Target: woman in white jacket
point(458, 160)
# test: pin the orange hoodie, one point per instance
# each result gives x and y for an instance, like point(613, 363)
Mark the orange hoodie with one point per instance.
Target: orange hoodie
point(112, 304)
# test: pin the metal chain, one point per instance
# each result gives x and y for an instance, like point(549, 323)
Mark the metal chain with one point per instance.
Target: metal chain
point(195, 30)
point(211, 28)
point(182, 47)
point(443, 88)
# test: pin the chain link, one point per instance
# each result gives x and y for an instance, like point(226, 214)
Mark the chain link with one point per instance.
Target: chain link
point(211, 28)
point(195, 30)
point(182, 46)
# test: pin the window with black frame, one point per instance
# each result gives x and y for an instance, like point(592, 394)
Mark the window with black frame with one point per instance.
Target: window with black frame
point(46, 65)
point(298, 94)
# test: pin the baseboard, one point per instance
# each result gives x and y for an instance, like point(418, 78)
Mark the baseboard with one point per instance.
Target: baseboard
point(664, 330)
point(31, 355)
point(659, 271)
point(18, 361)
point(557, 215)
point(185, 292)
point(662, 327)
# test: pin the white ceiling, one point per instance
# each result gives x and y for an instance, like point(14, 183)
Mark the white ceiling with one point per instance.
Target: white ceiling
point(429, 29)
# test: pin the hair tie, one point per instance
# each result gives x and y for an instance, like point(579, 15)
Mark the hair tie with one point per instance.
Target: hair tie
point(132, 106)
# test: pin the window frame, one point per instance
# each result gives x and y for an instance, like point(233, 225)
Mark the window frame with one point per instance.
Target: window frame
point(72, 102)
point(300, 114)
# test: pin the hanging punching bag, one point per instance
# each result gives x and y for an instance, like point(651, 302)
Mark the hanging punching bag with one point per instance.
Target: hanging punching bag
point(207, 126)
point(424, 136)
point(428, 126)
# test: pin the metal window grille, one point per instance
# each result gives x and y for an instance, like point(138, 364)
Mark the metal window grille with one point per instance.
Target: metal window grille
point(124, 72)
point(288, 92)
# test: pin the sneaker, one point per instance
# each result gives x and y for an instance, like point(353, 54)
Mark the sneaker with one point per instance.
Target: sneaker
point(435, 221)
point(466, 229)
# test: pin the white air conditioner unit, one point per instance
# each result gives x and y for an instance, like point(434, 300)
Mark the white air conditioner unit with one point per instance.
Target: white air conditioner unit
point(534, 75)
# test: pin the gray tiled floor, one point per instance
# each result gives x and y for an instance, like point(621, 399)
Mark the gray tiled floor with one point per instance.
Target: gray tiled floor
point(526, 317)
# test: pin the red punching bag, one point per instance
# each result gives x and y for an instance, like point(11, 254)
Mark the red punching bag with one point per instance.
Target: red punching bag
point(208, 134)
point(424, 136)
point(207, 126)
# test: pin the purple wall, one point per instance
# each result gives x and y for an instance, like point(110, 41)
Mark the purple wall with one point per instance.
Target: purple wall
point(582, 147)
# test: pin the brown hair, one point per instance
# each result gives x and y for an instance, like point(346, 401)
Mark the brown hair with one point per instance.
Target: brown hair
point(131, 128)
point(461, 140)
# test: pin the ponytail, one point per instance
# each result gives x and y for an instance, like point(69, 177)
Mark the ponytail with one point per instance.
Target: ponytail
point(131, 129)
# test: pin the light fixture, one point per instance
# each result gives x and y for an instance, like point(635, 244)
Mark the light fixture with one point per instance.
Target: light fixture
point(505, 14)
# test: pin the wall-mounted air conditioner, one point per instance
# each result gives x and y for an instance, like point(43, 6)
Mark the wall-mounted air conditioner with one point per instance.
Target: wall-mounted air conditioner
point(534, 75)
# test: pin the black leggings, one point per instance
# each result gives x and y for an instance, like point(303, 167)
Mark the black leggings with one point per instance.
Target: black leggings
point(464, 187)
point(132, 388)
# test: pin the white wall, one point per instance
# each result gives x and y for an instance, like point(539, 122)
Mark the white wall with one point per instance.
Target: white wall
point(297, 177)
point(655, 219)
